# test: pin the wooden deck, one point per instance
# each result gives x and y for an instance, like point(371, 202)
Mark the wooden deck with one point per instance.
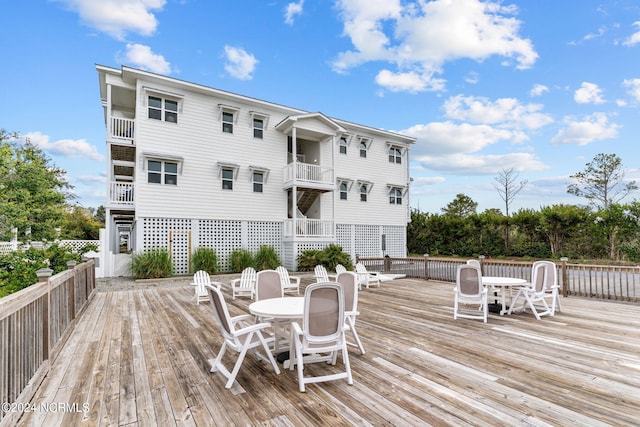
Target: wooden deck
point(140, 358)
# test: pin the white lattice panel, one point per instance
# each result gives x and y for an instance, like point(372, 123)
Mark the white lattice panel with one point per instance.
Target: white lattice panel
point(368, 241)
point(343, 237)
point(396, 238)
point(223, 236)
point(156, 235)
point(265, 234)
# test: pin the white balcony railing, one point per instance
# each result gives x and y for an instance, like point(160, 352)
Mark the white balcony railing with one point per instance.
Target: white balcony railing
point(121, 194)
point(309, 228)
point(121, 128)
point(308, 173)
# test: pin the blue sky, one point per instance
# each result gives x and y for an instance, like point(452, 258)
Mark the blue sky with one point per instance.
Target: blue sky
point(538, 86)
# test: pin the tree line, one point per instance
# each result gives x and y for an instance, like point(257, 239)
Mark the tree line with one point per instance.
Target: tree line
point(604, 228)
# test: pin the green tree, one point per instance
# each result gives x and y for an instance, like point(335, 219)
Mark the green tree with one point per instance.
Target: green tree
point(33, 192)
point(462, 206)
point(602, 182)
point(560, 223)
point(80, 223)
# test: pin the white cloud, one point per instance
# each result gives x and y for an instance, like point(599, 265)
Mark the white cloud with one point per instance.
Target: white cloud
point(142, 57)
point(441, 138)
point(292, 10)
point(595, 127)
point(634, 38)
point(239, 63)
point(504, 112)
point(118, 17)
point(465, 164)
point(538, 90)
point(420, 37)
point(589, 93)
point(634, 88)
point(65, 147)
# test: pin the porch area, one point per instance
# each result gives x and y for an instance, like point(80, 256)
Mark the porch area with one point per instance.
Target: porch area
point(139, 356)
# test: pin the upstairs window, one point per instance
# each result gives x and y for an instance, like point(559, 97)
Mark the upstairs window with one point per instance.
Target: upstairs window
point(163, 109)
point(227, 122)
point(162, 172)
point(363, 149)
point(395, 155)
point(343, 190)
point(258, 182)
point(258, 128)
point(363, 193)
point(395, 196)
point(227, 179)
point(363, 145)
point(343, 145)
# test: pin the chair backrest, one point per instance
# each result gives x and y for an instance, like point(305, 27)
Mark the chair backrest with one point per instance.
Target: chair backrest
point(360, 268)
point(469, 280)
point(321, 273)
point(323, 320)
point(221, 312)
point(340, 269)
point(474, 262)
point(268, 285)
point(551, 273)
point(539, 276)
point(248, 277)
point(349, 282)
point(284, 275)
point(200, 279)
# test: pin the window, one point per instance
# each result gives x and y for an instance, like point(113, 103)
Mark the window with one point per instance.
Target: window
point(163, 109)
point(343, 145)
point(343, 191)
point(227, 122)
point(258, 182)
point(258, 128)
point(363, 193)
point(395, 196)
point(395, 155)
point(363, 149)
point(159, 172)
point(227, 179)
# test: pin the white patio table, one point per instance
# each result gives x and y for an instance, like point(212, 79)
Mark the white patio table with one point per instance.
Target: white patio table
point(503, 283)
point(282, 310)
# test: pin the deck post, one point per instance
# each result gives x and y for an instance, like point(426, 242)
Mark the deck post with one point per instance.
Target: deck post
point(43, 276)
point(426, 266)
point(565, 276)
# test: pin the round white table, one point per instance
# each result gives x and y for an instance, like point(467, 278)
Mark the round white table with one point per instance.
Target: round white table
point(503, 283)
point(281, 311)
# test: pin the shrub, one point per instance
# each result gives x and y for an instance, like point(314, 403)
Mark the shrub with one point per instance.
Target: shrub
point(204, 259)
point(151, 264)
point(241, 259)
point(330, 256)
point(267, 258)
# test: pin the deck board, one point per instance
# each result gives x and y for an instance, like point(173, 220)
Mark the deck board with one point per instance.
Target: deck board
point(142, 357)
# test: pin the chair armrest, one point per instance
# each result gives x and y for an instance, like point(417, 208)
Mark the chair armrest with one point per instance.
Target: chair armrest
point(241, 318)
point(252, 328)
point(295, 279)
point(296, 329)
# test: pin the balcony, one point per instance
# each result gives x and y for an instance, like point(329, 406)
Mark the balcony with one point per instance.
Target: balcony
point(121, 130)
point(306, 227)
point(309, 176)
point(121, 194)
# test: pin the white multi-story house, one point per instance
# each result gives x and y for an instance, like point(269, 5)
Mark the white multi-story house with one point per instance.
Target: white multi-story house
point(192, 166)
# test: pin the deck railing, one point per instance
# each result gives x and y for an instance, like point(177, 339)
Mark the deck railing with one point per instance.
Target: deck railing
point(306, 227)
point(34, 325)
point(593, 281)
point(121, 194)
point(121, 128)
point(308, 173)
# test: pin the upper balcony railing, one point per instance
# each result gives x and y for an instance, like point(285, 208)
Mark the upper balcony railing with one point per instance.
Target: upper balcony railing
point(121, 194)
point(121, 129)
point(305, 173)
point(305, 227)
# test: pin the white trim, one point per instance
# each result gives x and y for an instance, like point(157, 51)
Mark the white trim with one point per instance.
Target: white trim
point(265, 172)
point(258, 115)
point(229, 109)
point(366, 183)
point(162, 157)
point(235, 167)
point(347, 181)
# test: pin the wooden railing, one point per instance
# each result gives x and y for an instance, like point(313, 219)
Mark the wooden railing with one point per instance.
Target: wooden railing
point(593, 281)
point(34, 325)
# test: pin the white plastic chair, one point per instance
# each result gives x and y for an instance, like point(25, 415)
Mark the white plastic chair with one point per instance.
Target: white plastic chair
point(340, 269)
point(366, 278)
point(200, 280)
point(321, 334)
point(470, 291)
point(534, 294)
point(268, 285)
point(320, 273)
point(240, 335)
point(289, 283)
point(349, 282)
point(552, 286)
point(245, 285)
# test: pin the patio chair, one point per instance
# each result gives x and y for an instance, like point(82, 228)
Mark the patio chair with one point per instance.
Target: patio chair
point(245, 285)
point(551, 284)
point(470, 291)
point(349, 282)
point(268, 285)
point(366, 278)
point(239, 334)
point(340, 269)
point(200, 280)
point(289, 283)
point(534, 294)
point(321, 334)
point(320, 273)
